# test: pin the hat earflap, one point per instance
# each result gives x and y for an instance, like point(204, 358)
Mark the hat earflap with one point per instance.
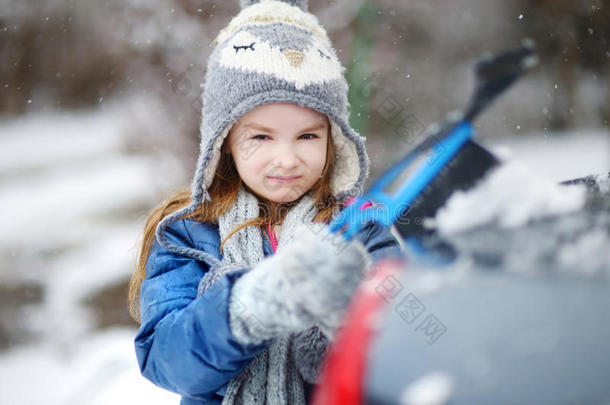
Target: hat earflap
point(302, 4)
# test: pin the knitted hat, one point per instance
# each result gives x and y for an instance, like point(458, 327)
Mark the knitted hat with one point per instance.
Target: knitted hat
point(273, 51)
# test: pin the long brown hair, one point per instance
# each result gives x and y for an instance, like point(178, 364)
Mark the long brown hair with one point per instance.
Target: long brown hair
point(223, 192)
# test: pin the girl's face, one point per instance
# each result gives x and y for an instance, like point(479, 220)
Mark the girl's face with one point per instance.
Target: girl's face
point(279, 150)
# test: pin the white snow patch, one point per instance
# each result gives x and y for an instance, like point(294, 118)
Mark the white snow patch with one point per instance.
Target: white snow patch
point(98, 370)
point(559, 156)
point(586, 249)
point(61, 170)
point(36, 141)
point(43, 207)
point(603, 182)
point(510, 195)
point(431, 389)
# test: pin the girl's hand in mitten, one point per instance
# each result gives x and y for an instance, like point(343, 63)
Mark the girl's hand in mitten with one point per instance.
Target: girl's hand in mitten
point(309, 281)
point(323, 271)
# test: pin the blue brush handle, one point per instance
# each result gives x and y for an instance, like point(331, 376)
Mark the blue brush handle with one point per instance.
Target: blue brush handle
point(398, 187)
point(390, 201)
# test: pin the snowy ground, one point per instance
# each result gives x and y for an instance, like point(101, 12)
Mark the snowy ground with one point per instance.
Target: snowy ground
point(69, 189)
point(69, 193)
point(100, 369)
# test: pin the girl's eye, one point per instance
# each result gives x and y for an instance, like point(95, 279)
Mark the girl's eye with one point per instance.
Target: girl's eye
point(309, 136)
point(260, 137)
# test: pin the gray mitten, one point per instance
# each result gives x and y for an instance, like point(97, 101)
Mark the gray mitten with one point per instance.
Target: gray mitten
point(309, 281)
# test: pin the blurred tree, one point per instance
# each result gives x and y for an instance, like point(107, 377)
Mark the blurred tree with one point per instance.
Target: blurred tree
point(51, 58)
point(572, 37)
point(358, 69)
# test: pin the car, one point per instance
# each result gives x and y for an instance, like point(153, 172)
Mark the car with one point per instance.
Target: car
point(503, 295)
point(492, 314)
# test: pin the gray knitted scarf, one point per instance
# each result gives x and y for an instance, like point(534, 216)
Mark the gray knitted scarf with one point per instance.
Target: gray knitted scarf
point(278, 374)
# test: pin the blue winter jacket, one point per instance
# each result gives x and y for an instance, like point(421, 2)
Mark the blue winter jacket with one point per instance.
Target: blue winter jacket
point(185, 343)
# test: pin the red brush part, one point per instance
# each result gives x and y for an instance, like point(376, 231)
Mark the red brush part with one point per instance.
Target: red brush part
point(343, 371)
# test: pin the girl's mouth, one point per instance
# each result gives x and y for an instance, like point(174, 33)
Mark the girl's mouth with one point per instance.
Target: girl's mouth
point(284, 179)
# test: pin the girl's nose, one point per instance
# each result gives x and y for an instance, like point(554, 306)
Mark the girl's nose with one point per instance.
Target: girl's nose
point(286, 158)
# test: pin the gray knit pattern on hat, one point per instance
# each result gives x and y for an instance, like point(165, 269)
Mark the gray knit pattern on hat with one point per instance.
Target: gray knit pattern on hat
point(272, 51)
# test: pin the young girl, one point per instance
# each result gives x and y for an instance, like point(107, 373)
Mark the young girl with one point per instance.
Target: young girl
point(239, 285)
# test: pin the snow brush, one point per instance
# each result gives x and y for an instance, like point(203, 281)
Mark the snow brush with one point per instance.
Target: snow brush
point(446, 160)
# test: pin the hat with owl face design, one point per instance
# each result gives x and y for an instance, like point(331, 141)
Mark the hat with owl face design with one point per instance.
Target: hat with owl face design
point(275, 51)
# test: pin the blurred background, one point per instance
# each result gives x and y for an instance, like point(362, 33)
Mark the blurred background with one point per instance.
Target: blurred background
point(99, 117)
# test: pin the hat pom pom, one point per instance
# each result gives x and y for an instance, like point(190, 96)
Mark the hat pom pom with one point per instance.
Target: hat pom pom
point(302, 4)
